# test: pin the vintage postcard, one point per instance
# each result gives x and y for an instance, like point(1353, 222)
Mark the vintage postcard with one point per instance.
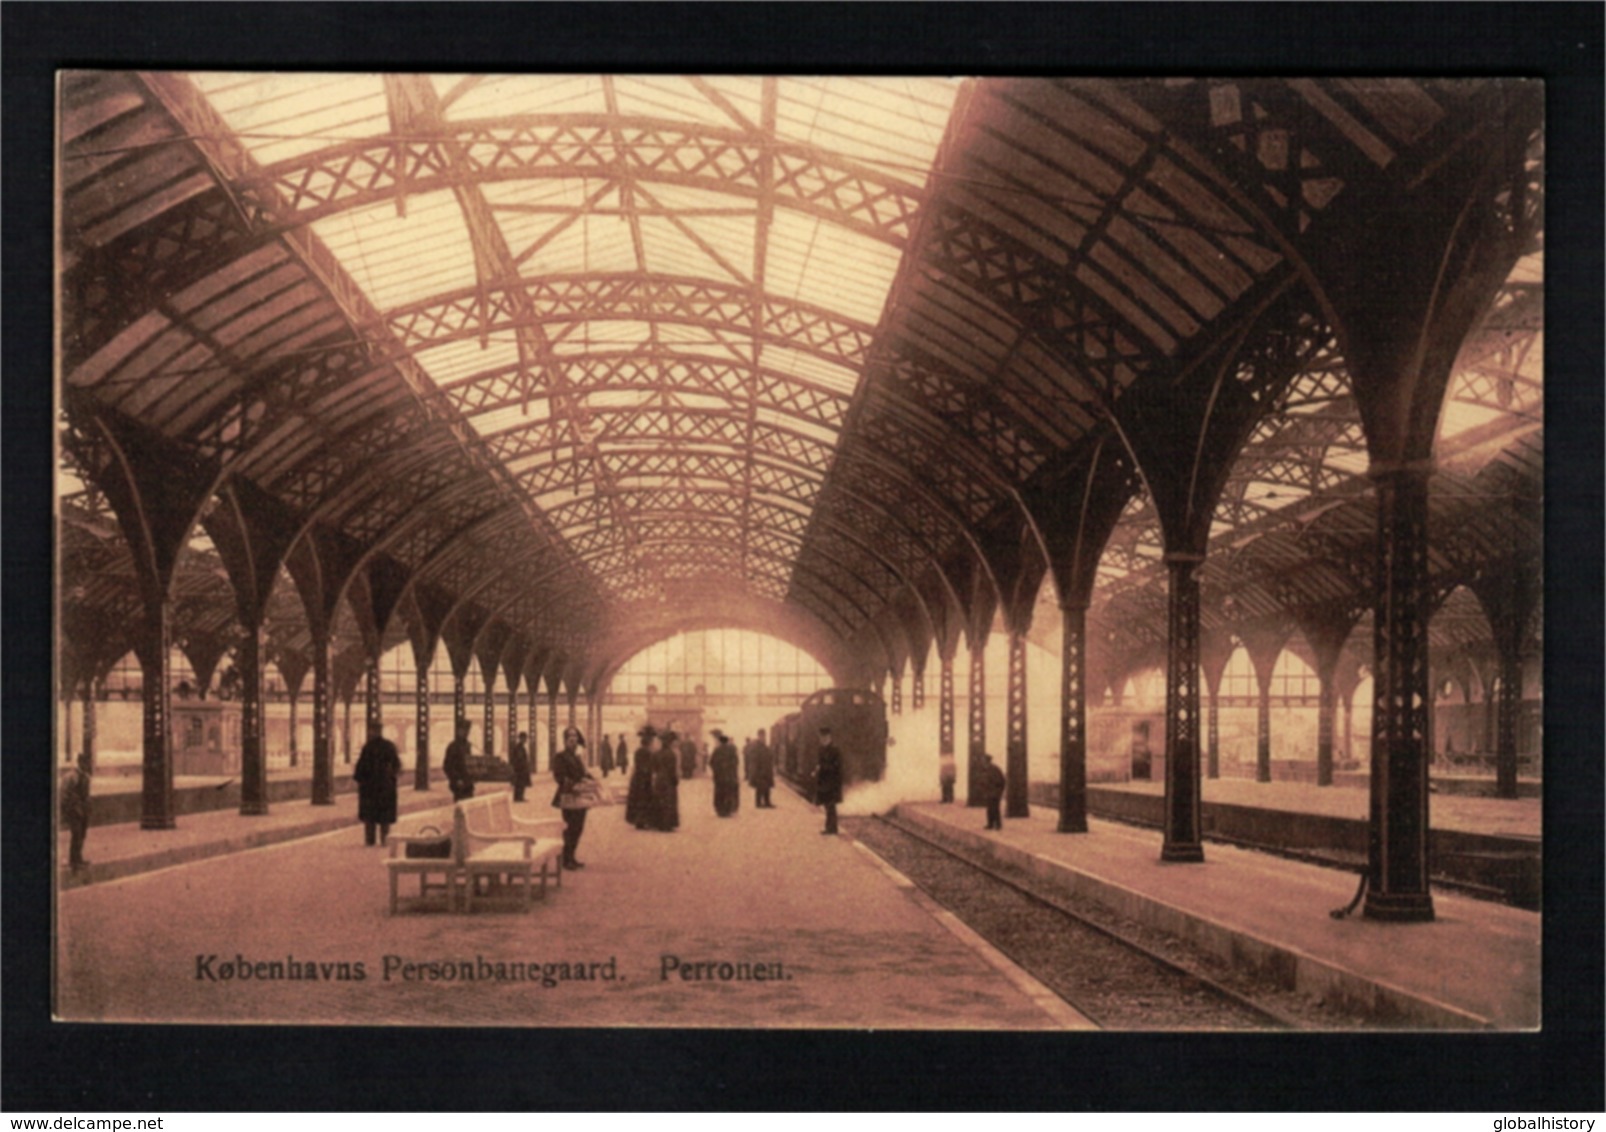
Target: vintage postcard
point(777, 551)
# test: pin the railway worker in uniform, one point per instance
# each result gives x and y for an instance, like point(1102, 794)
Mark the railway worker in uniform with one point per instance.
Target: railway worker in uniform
point(638, 802)
point(378, 767)
point(75, 808)
point(456, 764)
point(666, 784)
point(605, 756)
point(727, 782)
point(828, 779)
point(761, 773)
point(569, 768)
point(947, 774)
point(622, 754)
point(990, 781)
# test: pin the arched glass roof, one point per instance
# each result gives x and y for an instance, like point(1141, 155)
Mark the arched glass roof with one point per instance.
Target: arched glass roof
point(602, 357)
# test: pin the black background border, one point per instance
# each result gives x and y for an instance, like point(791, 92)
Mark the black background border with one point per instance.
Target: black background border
point(83, 1068)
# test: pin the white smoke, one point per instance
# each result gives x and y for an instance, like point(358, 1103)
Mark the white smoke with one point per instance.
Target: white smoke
point(912, 767)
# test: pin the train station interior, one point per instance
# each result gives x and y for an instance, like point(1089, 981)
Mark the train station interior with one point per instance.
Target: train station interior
point(1176, 444)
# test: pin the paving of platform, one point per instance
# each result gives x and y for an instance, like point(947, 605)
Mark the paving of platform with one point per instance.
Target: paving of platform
point(1510, 817)
point(1478, 963)
point(124, 849)
point(857, 950)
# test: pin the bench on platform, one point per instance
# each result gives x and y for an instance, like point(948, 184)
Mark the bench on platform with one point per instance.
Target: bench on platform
point(503, 849)
point(426, 869)
point(488, 845)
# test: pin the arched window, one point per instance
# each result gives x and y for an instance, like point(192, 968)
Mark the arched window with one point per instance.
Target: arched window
point(731, 665)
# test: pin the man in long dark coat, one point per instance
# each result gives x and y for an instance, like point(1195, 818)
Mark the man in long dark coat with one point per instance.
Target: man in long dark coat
point(990, 781)
point(761, 773)
point(727, 781)
point(455, 764)
point(828, 779)
point(518, 761)
point(622, 755)
point(605, 756)
point(638, 802)
point(666, 785)
point(75, 809)
point(378, 767)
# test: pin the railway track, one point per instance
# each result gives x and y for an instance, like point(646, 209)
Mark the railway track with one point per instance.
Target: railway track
point(1119, 976)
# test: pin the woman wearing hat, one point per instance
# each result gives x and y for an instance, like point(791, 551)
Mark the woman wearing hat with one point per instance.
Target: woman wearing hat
point(727, 779)
point(638, 803)
point(665, 785)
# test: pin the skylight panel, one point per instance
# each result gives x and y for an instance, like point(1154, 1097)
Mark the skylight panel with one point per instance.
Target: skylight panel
point(668, 249)
point(455, 361)
point(668, 96)
point(398, 260)
point(280, 116)
point(613, 399)
point(743, 93)
point(815, 262)
point(533, 412)
point(605, 335)
point(809, 368)
point(870, 122)
point(594, 244)
point(507, 95)
point(786, 422)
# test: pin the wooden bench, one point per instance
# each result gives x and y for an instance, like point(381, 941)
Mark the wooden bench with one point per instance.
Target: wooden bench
point(447, 868)
point(503, 849)
point(487, 841)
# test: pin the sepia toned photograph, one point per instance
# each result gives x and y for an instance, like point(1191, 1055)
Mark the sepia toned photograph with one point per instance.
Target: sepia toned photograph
point(785, 552)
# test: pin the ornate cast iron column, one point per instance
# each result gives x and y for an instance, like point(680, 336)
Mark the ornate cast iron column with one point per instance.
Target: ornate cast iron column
point(1017, 803)
point(1349, 724)
point(253, 753)
point(1508, 708)
point(917, 695)
point(421, 716)
point(978, 721)
point(1182, 823)
point(512, 716)
point(91, 689)
point(1213, 732)
point(945, 709)
point(1073, 721)
point(156, 805)
point(535, 716)
point(373, 709)
point(323, 754)
point(1263, 723)
point(490, 715)
point(551, 726)
point(459, 704)
point(1325, 711)
point(294, 694)
point(1398, 867)
point(897, 694)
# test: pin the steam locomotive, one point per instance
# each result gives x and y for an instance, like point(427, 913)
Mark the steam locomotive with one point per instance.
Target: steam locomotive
point(857, 718)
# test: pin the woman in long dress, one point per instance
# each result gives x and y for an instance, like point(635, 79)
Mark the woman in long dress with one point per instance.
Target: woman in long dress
point(638, 803)
point(665, 785)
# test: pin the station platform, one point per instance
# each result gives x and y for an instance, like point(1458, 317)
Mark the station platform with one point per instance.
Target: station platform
point(1461, 813)
point(1477, 966)
point(118, 796)
point(840, 939)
